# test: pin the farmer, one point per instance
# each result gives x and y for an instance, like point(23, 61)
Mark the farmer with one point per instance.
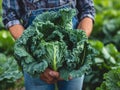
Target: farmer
point(19, 14)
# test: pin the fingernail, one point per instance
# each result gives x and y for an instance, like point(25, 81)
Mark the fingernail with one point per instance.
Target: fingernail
point(51, 73)
point(70, 78)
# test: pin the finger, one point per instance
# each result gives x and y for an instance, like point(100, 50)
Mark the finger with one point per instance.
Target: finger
point(54, 74)
point(70, 78)
point(47, 80)
point(51, 82)
point(43, 77)
point(46, 77)
point(60, 79)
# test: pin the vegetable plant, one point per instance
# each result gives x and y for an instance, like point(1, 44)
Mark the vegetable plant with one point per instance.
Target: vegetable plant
point(51, 42)
point(9, 72)
point(111, 80)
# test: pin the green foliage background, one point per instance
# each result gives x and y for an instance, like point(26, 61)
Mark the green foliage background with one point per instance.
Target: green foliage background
point(105, 38)
point(10, 75)
point(0, 4)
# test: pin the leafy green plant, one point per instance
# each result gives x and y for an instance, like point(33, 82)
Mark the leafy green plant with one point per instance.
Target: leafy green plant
point(0, 4)
point(108, 58)
point(106, 27)
point(9, 72)
point(111, 80)
point(6, 42)
point(1, 24)
point(51, 42)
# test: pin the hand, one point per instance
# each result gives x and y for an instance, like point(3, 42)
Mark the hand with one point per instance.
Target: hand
point(16, 31)
point(50, 76)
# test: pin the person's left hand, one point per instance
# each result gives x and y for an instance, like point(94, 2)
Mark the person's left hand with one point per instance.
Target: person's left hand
point(50, 76)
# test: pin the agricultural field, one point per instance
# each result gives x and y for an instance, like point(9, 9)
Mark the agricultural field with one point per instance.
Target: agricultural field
point(105, 38)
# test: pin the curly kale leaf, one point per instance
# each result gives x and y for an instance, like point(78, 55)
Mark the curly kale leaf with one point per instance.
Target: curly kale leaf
point(49, 42)
point(63, 17)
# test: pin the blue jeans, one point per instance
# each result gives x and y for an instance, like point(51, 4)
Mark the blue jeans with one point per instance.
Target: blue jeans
point(38, 84)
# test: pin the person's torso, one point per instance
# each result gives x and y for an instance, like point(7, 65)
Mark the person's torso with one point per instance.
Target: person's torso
point(37, 4)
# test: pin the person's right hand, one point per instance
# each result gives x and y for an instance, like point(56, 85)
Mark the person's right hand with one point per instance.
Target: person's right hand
point(50, 76)
point(16, 30)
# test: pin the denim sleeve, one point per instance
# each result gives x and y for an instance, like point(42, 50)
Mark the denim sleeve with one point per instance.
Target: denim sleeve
point(11, 14)
point(85, 9)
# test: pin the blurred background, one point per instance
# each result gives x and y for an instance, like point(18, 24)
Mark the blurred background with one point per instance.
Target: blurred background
point(105, 38)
